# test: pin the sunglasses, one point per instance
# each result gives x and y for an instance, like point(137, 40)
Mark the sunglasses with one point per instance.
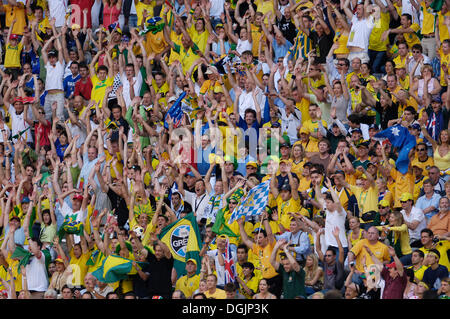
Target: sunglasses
point(421, 149)
point(403, 201)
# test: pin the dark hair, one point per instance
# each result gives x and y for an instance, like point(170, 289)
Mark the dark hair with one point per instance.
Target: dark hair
point(250, 111)
point(199, 294)
point(417, 47)
point(102, 68)
point(83, 65)
point(407, 16)
point(345, 60)
point(111, 293)
point(354, 118)
point(243, 246)
point(332, 249)
point(409, 273)
point(66, 287)
point(428, 231)
point(130, 293)
point(230, 287)
point(411, 109)
point(421, 254)
point(333, 294)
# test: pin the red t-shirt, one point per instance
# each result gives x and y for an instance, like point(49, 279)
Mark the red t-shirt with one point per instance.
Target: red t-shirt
point(83, 88)
point(84, 4)
point(44, 131)
point(394, 287)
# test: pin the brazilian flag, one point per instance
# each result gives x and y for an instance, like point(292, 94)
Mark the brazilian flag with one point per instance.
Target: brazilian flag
point(71, 226)
point(115, 268)
point(184, 241)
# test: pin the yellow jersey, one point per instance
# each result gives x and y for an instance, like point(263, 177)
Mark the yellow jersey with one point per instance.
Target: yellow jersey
point(412, 38)
point(380, 25)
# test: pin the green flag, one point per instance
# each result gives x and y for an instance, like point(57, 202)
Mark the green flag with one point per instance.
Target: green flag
point(437, 5)
point(115, 268)
point(184, 241)
point(23, 255)
point(71, 226)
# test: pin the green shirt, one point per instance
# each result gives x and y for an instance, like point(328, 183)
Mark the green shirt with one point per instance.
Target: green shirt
point(293, 283)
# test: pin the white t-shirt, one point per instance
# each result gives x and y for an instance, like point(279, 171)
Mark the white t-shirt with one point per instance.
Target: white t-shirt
point(246, 101)
point(216, 8)
point(126, 87)
point(55, 76)
point(18, 124)
point(36, 274)
point(57, 9)
point(220, 270)
point(360, 32)
point(416, 214)
point(332, 220)
point(198, 203)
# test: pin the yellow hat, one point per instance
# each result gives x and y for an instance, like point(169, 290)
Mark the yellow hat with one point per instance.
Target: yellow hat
point(218, 89)
point(45, 204)
point(304, 130)
point(193, 260)
point(406, 196)
point(253, 164)
point(383, 203)
point(363, 176)
point(76, 26)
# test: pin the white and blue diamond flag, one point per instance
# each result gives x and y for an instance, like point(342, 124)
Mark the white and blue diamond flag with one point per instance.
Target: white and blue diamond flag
point(254, 202)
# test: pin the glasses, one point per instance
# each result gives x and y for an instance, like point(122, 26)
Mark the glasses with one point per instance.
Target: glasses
point(328, 255)
point(403, 201)
point(421, 149)
point(381, 207)
point(233, 202)
point(341, 64)
point(416, 52)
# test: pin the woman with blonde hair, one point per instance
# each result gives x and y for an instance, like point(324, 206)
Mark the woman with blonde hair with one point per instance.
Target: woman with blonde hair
point(398, 236)
point(313, 274)
point(298, 158)
point(441, 148)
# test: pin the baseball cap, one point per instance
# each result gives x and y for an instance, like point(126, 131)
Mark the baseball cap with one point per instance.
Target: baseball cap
point(406, 196)
point(171, 99)
point(339, 171)
point(364, 144)
point(59, 259)
point(304, 130)
point(356, 130)
point(285, 187)
point(436, 98)
point(190, 174)
point(363, 176)
point(192, 260)
point(210, 70)
point(285, 145)
point(78, 197)
point(415, 126)
point(14, 37)
point(25, 200)
point(373, 126)
point(391, 265)
point(53, 53)
point(252, 164)
point(383, 203)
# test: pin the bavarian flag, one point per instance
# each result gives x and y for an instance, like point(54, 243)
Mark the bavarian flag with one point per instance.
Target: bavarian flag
point(115, 268)
point(184, 241)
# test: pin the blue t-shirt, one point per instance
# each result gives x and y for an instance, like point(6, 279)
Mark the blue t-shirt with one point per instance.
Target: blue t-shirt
point(280, 50)
point(69, 84)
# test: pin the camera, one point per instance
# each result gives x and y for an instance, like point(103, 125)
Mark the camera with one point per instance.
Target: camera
point(435, 240)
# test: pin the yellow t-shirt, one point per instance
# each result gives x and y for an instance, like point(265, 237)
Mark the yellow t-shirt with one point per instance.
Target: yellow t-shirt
point(267, 270)
point(188, 284)
point(218, 294)
point(380, 251)
point(412, 37)
point(445, 60)
point(401, 62)
point(381, 25)
point(428, 24)
point(443, 30)
point(404, 183)
point(313, 127)
point(18, 13)
point(284, 208)
point(176, 38)
point(252, 284)
point(200, 39)
point(140, 7)
point(367, 199)
point(155, 42)
point(99, 88)
point(79, 267)
point(442, 247)
point(12, 55)
point(342, 40)
point(303, 107)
